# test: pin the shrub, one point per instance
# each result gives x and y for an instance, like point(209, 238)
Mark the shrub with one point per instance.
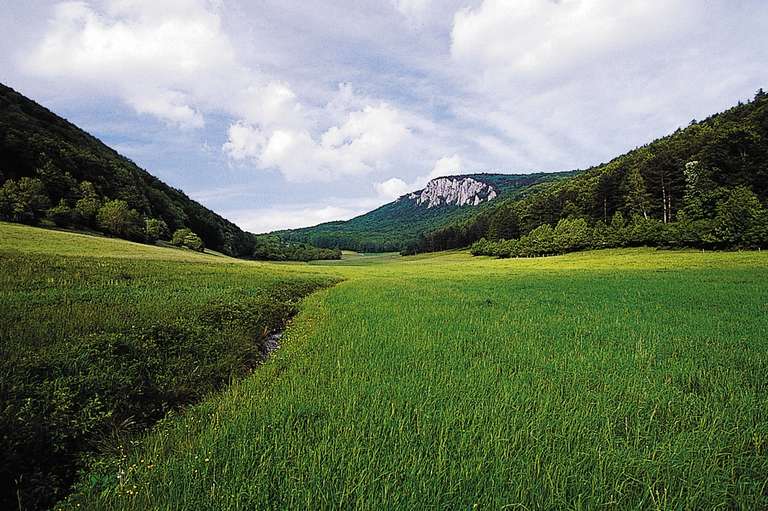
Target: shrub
point(186, 238)
point(155, 229)
point(61, 214)
point(24, 200)
point(115, 217)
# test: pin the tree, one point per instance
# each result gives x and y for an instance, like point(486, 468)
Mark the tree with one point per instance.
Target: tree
point(24, 200)
point(155, 229)
point(699, 190)
point(571, 234)
point(58, 185)
point(184, 237)
point(504, 224)
point(87, 207)
point(61, 214)
point(115, 217)
point(636, 197)
point(736, 215)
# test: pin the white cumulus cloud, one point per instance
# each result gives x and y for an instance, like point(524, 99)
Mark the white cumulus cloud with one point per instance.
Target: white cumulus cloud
point(396, 187)
point(360, 144)
point(157, 56)
point(540, 38)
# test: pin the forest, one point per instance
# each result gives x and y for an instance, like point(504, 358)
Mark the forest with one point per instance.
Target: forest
point(703, 186)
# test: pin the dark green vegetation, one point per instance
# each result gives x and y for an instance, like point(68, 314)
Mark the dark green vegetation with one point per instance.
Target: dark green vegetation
point(53, 173)
point(270, 247)
point(739, 221)
point(397, 225)
point(96, 349)
point(690, 188)
point(629, 379)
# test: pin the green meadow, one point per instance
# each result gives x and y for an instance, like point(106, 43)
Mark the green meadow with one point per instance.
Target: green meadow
point(619, 379)
point(100, 338)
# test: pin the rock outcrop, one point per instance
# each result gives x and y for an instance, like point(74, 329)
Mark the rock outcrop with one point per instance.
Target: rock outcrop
point(455, 191)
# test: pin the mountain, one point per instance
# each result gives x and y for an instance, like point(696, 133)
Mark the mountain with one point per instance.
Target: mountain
point(396, 225)
point(705, 185)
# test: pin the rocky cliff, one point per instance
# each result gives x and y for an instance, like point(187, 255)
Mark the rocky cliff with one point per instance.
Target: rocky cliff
point(457, 191)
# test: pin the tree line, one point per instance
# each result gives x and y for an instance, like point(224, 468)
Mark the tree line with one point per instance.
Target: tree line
point(703, 186)
point(55, 198)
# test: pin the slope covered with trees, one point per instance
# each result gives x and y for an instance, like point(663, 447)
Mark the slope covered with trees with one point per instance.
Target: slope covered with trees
point(705, 185)
point(52, 170)
point(397, 225)
point(54, 173)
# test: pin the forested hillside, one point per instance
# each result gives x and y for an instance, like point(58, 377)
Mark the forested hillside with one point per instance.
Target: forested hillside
point(52, 169)
point(399, 224)
point(54, 173)
point(705, 185)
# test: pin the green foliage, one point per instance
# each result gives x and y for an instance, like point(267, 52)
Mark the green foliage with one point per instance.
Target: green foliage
point(186, 238)
point(737, 214)
point(636, 199)
point(23, 201)
point(87, 206)
point(273, 248)
point(73, 165)
point(397, 226)
point(61, 214)
point(116, 217)
point(155, 229)
point(741, 223)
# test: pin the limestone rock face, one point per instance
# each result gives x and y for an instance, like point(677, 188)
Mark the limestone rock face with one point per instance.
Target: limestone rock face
point(454, 191)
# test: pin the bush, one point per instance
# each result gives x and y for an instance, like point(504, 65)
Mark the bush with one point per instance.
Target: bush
point(24, 200)
point(155, 229)
point(61, 215)
point(186, 238)
point(115, 217)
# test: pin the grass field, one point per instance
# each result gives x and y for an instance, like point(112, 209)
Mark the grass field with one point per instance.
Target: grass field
point(100, 338)
point(615, 379)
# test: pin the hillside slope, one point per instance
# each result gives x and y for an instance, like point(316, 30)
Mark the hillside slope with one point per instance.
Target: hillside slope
point(688, 178)
point(444, 200)
point(36, 143)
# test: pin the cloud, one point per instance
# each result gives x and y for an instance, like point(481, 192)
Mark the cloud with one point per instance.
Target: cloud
point(447, 166)
point(396, 187)
point(157, 56)
point(556, 85)
point(412, 8)
point(289, 93)
point(262, 220)
point(171, 106)
point(359, 145)
point(539, 39)
point(392, 188)
point(244, 141)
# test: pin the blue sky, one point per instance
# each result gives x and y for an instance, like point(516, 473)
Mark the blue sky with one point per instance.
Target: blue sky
point(287, 113)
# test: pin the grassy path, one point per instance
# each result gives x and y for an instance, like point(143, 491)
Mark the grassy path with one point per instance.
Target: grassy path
point(619, 379)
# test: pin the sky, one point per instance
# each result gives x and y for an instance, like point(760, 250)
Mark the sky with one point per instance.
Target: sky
point(288, 113)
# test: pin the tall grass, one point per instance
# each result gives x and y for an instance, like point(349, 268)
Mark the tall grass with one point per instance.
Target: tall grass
point(103, 341)
point(629, 379)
